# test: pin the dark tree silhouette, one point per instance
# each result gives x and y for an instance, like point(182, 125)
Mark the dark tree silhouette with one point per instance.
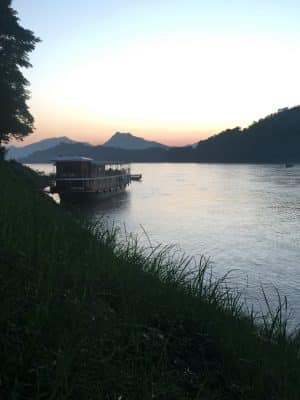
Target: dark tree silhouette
point(15, 44)
point(275, 138)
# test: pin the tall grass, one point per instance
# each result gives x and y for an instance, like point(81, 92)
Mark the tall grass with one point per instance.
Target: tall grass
point(85, 316)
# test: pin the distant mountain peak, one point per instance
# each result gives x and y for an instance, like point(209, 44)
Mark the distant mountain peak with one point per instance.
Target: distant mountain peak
point(127, 141)
point(123, 135)
point(14, 152)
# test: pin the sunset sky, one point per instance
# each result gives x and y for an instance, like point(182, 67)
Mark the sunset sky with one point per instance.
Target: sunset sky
point(167, 70)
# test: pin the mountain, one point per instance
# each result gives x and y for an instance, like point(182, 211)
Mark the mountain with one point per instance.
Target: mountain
point(273, 139)
point(98, 153)
point(17, 153)
point(130, 142)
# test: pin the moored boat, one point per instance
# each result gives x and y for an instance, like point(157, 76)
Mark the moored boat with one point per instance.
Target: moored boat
point(83, 178)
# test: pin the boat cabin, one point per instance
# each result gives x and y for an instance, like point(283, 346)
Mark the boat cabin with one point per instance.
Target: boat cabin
point(84, 175)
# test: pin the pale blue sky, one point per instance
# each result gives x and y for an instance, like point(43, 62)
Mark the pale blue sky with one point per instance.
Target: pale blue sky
point(173, 71)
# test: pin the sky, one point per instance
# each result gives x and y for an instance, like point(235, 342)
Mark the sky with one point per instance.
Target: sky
point(166, 70)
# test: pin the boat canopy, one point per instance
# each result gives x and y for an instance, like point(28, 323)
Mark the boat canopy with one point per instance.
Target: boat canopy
point(72, 159)
point(86, 159)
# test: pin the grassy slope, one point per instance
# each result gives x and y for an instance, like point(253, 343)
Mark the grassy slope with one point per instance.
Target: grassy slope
point(82, 319)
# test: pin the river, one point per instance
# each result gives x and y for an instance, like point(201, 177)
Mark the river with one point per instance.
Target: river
point(245, 218)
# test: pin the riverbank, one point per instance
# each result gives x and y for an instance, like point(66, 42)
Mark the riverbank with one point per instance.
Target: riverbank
point(83, 317)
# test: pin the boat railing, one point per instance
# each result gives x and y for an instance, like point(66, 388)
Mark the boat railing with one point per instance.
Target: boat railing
point(94, 178)
point(71, 175)
point(104, 174)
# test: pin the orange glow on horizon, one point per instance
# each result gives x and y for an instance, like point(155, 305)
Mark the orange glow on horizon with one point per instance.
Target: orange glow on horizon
point(176, 82)
point(100, 136)
point(165, 91)
point(96, 132)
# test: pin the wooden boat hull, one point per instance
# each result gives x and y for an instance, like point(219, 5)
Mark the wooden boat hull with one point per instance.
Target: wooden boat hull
point(90, 196)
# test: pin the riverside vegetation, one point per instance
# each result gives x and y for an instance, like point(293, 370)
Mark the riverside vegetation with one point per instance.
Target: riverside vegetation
point(84, 316)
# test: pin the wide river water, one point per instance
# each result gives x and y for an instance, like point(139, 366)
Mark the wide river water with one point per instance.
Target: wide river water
point(245, 218)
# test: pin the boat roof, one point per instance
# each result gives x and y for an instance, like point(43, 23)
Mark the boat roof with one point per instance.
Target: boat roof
point(72, 158)
point(81, 158)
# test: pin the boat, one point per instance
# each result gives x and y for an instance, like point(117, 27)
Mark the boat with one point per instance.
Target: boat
point(84, 178)
point(289, 165)
point(136, 177)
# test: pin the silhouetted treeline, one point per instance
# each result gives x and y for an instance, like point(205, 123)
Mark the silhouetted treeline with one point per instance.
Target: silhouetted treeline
point(275, 138)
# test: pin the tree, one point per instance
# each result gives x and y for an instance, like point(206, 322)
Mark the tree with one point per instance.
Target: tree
point(15, 44)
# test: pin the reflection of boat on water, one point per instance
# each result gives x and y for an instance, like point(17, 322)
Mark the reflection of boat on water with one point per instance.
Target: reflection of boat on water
point(83, 178)
point(136, 177)
point(289, 165)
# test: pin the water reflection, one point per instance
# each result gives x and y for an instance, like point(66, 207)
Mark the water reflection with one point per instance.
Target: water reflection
point(243, 217)
point(98, 208)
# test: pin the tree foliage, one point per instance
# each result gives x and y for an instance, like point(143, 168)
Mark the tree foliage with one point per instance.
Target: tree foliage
point(273, 139)
point(15, 45)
